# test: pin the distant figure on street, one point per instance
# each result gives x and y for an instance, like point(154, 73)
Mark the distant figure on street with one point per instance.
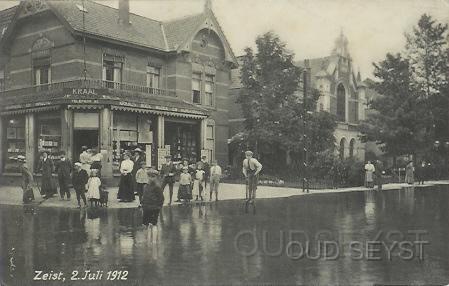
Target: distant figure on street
point(421, 172)
point(93, 188)
point(64, 171)
point(369, 171)
point(137, 159)
point(251, 170)
point(215, 176)
point(27, 181)
point(168, 171)
point(141, 180)
point(198, 183)
point(86, 159)
point(79, 182)
point(96, 161)
point(48, 185)
point(409, 173)
point(206, 168)
point(379, 173)
point(126, 190)
point(152, 201)
point(185, 181)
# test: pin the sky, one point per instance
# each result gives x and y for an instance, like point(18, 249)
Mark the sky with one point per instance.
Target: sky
point(309, 27)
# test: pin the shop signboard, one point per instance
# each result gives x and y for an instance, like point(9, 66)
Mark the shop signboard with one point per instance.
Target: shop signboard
point(161, 153)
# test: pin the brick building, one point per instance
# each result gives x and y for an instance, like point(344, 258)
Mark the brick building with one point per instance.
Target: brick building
point(77, 73)
point(343, 94)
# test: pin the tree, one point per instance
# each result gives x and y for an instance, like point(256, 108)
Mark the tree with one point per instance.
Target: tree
point(396, 122)
point(428, 54)
point(413, 110)
point(272, 105)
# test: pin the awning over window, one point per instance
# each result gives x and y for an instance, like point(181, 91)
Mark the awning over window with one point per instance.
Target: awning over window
point(31, 110)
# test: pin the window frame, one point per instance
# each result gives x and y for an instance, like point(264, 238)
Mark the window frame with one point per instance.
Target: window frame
point(197, 77)
point(209, 96)
point(153, 72)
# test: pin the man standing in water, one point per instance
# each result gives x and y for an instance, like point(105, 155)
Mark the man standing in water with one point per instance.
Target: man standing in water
point(168, 171)
point(251, 170)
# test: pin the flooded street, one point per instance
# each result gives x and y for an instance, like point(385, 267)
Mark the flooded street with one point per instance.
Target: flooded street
point(219, 243)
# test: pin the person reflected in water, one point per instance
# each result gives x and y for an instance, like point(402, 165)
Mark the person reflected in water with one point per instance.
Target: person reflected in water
point(152, 201)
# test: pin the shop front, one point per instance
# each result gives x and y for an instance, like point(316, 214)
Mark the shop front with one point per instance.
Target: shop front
point(104, 123)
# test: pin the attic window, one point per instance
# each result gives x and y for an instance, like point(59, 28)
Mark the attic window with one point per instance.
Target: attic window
point(81, 8)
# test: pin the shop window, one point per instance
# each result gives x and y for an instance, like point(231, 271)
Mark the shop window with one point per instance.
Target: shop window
point(153, 77)
point(128, 129)
point(112, 73)
point(49, 135)
point(209, 90)
point(183, 140)
point(196, 88)
point(15, 143)
point(41, 72)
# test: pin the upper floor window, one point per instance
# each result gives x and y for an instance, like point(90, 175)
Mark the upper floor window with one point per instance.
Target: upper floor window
point(153, 77)
point(209, 90)
point(41, 71)
point(2, 80)
point(112, 71)
point(196, 88)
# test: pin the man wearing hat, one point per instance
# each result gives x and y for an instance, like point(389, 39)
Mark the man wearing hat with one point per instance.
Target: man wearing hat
point(138, 159)
point(64, 169)
point(251, 170)
point(168, 171)
point(79, 181)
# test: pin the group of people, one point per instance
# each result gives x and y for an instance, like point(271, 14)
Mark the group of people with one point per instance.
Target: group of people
point(85, 181)
point(374, 173)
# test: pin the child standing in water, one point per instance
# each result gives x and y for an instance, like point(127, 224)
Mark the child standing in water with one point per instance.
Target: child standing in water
point(93, 188)
point(152, 201)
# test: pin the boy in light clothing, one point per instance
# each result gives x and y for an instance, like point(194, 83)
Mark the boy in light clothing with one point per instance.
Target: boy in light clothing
point(141, 180)
point(198, 183)
point(215, 175)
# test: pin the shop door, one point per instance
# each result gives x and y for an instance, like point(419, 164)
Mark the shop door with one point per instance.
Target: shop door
point(81, 138)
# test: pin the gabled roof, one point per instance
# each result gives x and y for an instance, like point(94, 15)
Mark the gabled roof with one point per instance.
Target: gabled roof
point(178, 31)
point(102, 21)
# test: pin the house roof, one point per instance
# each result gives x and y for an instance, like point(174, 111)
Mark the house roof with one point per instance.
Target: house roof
point(102, 20)
point(6, 17)
point(179, 30)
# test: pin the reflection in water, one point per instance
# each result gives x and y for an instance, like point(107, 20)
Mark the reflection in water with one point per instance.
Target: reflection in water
point(196, 243)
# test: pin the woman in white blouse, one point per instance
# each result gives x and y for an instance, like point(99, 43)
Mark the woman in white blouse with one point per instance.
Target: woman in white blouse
point(125, 190)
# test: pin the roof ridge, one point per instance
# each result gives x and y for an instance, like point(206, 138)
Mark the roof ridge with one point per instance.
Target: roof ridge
point(131, 13)
point(183, 18)
point(10, 8)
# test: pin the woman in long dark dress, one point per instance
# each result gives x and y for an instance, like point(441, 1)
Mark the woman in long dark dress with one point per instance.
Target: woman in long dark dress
point(126, 190)
point(46, 166)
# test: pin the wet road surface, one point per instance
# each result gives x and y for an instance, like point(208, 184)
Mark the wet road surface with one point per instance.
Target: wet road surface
point(358, 238)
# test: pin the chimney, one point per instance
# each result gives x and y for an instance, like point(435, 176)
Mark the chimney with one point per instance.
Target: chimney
point(123, 11)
